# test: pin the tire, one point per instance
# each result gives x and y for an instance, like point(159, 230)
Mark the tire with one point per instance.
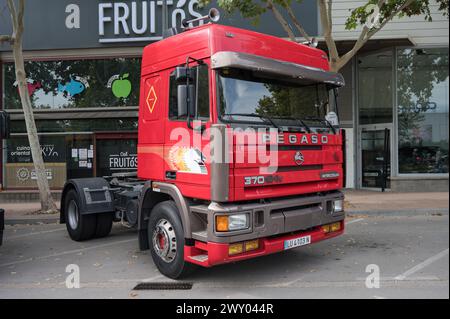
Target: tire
point(80, 227)
point(166, 241)
point(104, 224)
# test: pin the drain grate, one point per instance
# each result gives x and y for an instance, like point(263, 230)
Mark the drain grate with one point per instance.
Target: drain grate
point(163, 286)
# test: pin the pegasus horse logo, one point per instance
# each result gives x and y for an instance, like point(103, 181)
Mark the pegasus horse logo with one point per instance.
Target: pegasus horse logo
point(299, 158)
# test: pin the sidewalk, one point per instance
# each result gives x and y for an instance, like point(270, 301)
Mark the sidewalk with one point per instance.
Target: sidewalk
point(357, 202)
point(375, 202)
point(26, 213)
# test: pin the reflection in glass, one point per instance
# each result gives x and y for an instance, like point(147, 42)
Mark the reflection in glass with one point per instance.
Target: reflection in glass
point(76, 83)
point(375, 88)
point(423, 87)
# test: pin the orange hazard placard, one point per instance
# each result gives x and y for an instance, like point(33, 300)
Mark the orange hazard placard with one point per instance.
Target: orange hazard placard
point(152, 98)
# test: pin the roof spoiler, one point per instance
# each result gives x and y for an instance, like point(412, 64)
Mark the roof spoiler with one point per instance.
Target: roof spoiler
point(296, 72)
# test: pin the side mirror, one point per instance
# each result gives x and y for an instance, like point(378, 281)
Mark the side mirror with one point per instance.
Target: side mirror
point(5, 130)
point(186, 106)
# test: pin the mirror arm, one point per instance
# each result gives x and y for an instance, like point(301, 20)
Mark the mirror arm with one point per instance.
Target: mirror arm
point(189, 118)
point(188, 111)
point(336, 105)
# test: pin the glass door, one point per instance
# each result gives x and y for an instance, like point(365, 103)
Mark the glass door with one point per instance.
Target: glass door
point(376, 156)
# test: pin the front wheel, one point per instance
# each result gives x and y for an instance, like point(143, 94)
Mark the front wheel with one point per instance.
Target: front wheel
point(166, 241)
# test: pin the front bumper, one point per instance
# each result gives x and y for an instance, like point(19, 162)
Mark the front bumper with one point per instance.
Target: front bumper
point(271, 222)
point(210, 254)
point(267, 219)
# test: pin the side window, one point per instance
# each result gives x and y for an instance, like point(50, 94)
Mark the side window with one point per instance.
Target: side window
point(173, 98)
point(203, 92)
point(201, 81)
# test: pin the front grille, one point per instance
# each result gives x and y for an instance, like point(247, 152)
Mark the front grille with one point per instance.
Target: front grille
point(294, 208)
point(297, 147)
point(282, 169)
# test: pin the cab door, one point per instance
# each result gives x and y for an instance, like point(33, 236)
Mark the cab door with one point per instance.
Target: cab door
point(187, 143)
point(151, 127)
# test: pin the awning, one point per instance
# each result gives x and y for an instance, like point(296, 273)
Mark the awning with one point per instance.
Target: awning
point(376, 43)
point(78, 113)
point(299, 73)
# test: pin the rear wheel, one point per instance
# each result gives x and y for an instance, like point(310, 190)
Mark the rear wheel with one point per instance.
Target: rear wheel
point(104, 224)
point(80, 227)
point(166, 241)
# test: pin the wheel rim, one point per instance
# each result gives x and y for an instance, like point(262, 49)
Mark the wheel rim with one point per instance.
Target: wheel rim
point(165, 241)
point(72, 214)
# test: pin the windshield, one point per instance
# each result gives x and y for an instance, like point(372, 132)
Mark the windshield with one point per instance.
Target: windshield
point(245, 98)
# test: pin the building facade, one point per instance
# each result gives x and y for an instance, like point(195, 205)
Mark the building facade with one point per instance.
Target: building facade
point(396, 103)
point(83, 69)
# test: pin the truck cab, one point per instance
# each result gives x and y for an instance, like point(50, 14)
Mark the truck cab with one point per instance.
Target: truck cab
point(239, 152)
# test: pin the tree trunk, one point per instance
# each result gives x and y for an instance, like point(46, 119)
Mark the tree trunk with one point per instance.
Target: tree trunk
point(47, 203)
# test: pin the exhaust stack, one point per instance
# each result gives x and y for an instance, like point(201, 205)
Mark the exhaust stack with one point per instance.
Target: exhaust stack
point(213, 16)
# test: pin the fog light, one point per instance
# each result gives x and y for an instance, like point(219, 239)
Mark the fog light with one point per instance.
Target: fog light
point(338, 206)
point(335, 227)
point(235, 249)
point(251, 245)
point(326, 228)
point(331, 228)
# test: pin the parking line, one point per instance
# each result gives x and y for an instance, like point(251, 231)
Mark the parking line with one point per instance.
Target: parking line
point(36, 233)
point(354, 221)
point(69, 252)
point(422, 265)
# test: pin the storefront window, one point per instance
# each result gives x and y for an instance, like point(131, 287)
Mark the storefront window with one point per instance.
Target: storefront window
point(19, 168)
point(375, 88)
point(116, 156)
point(76, 83)
point(423, 93)
point(70, 156)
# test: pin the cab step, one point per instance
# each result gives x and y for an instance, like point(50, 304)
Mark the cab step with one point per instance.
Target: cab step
point(200, 258)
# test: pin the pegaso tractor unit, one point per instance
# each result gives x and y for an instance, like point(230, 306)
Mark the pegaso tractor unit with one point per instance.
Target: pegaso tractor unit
point(239, 152)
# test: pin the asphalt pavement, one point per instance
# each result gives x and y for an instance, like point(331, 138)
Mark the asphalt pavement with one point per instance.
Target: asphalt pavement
point(409, 253)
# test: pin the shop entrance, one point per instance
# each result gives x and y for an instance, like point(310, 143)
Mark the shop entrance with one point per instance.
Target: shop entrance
point(115, 153)
point(376, 156)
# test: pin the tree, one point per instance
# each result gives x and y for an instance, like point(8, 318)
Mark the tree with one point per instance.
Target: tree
point(372, 16)
point(17, 21)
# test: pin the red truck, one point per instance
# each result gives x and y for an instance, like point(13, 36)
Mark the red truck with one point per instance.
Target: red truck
point(211, 98)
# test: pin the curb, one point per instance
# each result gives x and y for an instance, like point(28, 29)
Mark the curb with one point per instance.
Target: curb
point(401, 213)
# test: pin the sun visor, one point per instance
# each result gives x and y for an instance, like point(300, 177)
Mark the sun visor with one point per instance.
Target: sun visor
point(295, 72)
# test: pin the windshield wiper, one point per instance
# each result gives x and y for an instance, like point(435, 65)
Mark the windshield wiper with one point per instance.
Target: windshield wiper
point(318, 119)
point(299, 121)
point(262, 117)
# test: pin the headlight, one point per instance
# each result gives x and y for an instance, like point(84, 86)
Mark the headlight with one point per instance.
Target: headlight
point(338, 205)
point(226, 223)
